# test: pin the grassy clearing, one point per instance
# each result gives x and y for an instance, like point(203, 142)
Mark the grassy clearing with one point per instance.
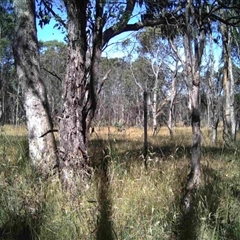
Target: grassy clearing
point(124, 200)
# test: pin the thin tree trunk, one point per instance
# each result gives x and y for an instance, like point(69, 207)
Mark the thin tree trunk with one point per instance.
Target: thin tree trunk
point(193, 62)
point(193, 181)
point(154, 110)
point(229, 119)
point(42, 150)
point(171, 107)
point(213, 98)
point(145, 114)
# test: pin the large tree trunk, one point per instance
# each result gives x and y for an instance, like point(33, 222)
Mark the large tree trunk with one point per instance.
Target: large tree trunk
point(229, 119)
point(42, 148)
point(79, 97)
point(73, 132)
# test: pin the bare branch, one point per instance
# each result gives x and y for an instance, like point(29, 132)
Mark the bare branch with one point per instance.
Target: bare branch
point(103, 81)
point(53, 74)
point(135, 80)
point(49, 131)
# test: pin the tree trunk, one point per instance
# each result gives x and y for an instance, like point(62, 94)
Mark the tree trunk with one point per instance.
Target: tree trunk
point(73, 132)
point(193, 62)
point(42, 150)
point(193, 181)
point(154, 109)
point(79, 97)
point(171, 107)
point(145, 120)
point(214, 103)
point(229, 119)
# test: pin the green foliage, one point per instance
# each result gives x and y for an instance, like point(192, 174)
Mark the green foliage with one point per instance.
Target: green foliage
point(6, 27)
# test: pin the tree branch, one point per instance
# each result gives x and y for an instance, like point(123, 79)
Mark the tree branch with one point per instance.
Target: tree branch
point(53, 74)
point(56, 16)
point(49, 131)
point(112, 32)
point(103, 81)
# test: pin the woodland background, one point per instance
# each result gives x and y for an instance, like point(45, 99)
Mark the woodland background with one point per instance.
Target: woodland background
point(99, 179)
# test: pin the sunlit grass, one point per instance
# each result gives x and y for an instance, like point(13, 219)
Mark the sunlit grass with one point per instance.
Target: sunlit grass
point(10, 130)
point(124, 199)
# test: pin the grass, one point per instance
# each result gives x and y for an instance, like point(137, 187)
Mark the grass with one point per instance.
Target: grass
point(124, 199)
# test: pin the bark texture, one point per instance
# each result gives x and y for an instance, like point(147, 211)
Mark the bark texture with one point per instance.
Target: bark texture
point(73, 130)
point(79, 94)
point(229, 118)
point(42, 150)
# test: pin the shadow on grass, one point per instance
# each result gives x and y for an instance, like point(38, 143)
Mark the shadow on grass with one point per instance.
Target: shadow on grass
point(104, 224)
point(19, 231)
point(207, 212)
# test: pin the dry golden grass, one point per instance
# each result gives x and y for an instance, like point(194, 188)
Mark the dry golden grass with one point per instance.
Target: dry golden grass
point(124, 199)
point(16, 131)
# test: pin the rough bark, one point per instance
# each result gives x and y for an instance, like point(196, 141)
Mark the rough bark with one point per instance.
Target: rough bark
point(42, 150)
point(1, 98)
point(79, 93)
point(73, 132)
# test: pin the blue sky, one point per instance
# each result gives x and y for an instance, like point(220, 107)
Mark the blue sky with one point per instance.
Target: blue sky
point(48, 32)
point(114, 49)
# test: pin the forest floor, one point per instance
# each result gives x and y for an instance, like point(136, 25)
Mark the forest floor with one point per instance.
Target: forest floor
point(124, 199)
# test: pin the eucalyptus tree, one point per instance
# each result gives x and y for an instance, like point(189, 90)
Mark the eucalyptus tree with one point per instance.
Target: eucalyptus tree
point(194, 27)
point(194, 43)
point(91, 24)
point(151, 49)
point(158, 74)
point(42, 147)
point(213, 87)
point(229, 118)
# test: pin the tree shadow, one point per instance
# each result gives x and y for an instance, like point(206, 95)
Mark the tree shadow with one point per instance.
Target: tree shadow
point(104, 223)
point(207, 198)
point(206, 204)
point(18, 231)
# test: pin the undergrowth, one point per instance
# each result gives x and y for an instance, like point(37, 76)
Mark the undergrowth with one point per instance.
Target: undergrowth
point(124, 200)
